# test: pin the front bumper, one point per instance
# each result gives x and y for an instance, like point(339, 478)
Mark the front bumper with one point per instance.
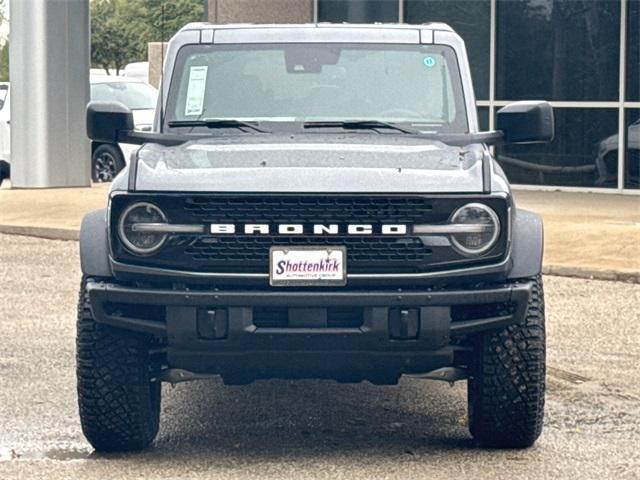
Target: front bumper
point(225, 332)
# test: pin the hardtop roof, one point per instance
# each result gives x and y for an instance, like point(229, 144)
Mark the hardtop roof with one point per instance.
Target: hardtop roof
point(242, 33)
point(289, 26)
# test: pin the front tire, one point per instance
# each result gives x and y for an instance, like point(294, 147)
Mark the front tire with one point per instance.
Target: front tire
point(506, 389)
point(119, 403)
point(106, 163)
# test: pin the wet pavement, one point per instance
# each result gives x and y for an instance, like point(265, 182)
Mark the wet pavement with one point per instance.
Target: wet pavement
point(315, 429)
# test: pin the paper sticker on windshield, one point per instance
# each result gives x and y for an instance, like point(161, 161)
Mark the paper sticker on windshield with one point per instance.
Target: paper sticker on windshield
point(195, 90)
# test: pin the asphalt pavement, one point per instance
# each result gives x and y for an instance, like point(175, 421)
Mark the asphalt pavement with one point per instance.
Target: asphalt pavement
point(315, 429)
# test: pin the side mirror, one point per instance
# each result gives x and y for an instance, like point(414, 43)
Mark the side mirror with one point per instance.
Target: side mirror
point(106, 119)
point(526, 122)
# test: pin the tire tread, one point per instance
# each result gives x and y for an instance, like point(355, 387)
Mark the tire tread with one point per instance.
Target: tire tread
point(506, 391)
point(119, 406)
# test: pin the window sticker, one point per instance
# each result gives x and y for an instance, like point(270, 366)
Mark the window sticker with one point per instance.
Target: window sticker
point(195, 90)
point(429, 61)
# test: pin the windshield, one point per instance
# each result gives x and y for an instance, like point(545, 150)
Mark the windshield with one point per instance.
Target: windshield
point(135, 95)
point(418, 85)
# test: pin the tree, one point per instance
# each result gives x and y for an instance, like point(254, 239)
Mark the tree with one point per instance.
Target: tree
point(113, 43)
point(4, 62)
point(165, 18)
point(121, 29)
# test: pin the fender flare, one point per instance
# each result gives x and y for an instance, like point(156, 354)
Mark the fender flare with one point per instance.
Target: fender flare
point(94, 244)
point(528, 245)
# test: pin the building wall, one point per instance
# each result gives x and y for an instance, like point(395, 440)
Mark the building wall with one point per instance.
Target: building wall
point(582, 55)
point(260, 11)
point(156, 52)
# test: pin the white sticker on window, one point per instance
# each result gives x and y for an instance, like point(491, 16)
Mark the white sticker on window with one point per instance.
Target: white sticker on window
point(195, 90)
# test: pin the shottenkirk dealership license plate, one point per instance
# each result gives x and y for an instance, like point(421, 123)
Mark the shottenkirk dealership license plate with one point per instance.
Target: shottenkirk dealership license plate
point(307, 266)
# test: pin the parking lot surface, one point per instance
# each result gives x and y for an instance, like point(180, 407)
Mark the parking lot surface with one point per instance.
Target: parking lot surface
point(315, 429)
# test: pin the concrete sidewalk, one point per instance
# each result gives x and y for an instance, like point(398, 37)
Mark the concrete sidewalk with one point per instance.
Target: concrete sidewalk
point(586, 234)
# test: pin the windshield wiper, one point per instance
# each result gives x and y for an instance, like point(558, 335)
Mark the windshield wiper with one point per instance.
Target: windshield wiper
point(218, 123)
point(360, 124)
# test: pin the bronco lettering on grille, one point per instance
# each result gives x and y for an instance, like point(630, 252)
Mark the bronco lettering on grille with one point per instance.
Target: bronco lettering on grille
point(300, 229)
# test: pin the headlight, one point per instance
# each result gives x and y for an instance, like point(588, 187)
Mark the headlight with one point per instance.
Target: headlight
point(137, 240)
point(478, 231)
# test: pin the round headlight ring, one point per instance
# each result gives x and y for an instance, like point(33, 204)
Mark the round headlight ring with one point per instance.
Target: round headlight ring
point(495, 220)
point(122, 227)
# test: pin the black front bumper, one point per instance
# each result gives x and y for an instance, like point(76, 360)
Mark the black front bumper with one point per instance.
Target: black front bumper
point(217, 331)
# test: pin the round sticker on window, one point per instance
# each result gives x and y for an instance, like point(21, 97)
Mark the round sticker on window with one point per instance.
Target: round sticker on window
point(429, 62)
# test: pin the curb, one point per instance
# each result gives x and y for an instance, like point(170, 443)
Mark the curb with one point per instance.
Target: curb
point(557, 270)
point(48, 233)
point(591, 274)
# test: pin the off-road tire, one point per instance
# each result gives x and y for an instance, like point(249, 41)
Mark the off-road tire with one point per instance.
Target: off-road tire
point(119, 403)
point(506, 388)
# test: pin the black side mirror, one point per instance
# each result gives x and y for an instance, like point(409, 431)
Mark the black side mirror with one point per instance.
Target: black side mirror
point(526, 122)
point(106, 119)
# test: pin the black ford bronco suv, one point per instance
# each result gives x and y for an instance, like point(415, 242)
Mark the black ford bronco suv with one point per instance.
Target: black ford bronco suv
point(314, 201)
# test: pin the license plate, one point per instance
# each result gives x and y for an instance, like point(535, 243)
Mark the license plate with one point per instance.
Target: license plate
point(307, 266)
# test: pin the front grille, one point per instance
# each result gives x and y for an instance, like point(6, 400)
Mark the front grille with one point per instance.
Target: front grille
point(307, 209)
point(376, 250)
point(238, 253)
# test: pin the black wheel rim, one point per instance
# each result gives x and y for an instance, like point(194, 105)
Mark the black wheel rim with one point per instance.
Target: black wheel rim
point(104, 168)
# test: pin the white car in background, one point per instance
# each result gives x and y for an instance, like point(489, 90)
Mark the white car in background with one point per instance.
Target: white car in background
point(5, 131)
point(107, 159)
point(137, 70)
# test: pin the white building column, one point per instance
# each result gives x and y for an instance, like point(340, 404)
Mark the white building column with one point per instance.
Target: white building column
point(49, 68)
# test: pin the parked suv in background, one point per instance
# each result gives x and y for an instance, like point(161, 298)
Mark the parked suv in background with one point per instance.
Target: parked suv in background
point(315, 201)
point(137, 71)
point(607, 158)
point(107, 158)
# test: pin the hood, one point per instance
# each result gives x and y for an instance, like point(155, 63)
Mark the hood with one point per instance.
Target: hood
point(311, 163)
